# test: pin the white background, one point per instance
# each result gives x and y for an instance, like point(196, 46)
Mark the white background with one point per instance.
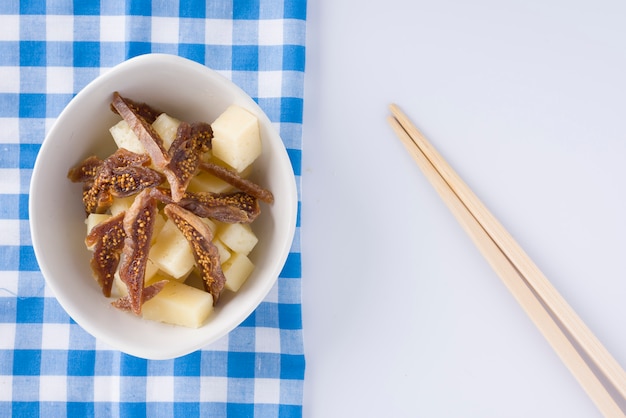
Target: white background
point(526, 99)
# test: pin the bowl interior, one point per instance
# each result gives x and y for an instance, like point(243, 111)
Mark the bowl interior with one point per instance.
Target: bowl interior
point(188, 91)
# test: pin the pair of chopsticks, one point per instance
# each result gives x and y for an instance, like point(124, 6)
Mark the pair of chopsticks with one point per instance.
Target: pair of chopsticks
point(560, 325)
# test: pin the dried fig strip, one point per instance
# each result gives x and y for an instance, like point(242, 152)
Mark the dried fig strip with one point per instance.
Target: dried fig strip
point(122, 174)
point(85, 172)
point(124, 303)
point(200, 133)
point(205, 252)
point(125, 158)
point(128, 173)
point(161, 194)
point(127, 181)
point(138, 223)
point(238, 207)
point(144, 110)
point(146, 134)
point(97, 198)
point(107, 240)
point(234, 179)
point(190, 143)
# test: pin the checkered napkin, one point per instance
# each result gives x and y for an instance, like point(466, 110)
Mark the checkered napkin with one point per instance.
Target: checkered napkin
point(49, 366)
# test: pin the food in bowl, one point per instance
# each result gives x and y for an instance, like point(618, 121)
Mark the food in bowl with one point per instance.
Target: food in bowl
point(193, 92)
point(148, 233)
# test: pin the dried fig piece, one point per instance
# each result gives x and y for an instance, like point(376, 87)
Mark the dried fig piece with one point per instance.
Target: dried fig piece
point(138, 224)
point(199, 133)
point(190, 143)
point(127, 181)
point(161, 194)
point(122, 174)
point(107, 240)
point(97, 198)
point(234, 179)
point(142, 127)
point(125, 158)
point(238, 207)
point(144, 110)
point(85, 172)
point(205, 252)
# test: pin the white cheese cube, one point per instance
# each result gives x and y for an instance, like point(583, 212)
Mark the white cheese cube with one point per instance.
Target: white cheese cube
point(160, 275)
point(237, 270)
point(205, 182)
point(223, 251)
point(236, 138)
point(121, 204)
point(179, 304)
point(124, 137)
point(171, 252)
point(238, 237)
point(208, 222)
point(152, 270)
point(159, 223)
point(94, 219)
point(166, 126)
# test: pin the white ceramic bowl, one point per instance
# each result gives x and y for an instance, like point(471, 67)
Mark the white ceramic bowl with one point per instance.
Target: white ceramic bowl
point(188, 91)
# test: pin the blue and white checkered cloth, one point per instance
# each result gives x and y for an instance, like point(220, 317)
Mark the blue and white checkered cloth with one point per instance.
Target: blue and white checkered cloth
point(49, 366)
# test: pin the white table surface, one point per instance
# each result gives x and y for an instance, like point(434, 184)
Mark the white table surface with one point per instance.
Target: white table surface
point(527, 100)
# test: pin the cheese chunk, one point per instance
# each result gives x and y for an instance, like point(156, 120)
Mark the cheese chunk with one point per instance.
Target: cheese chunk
point(236, 138)
point(94, 219)
point(205, 182)
point(171, 251)
point(179, 304)
point(166, 126)
point(237, 270)
point(121, 204)
point(221, 248)
point(238, 237)
point(124, 137)
point(223, 251)
point(159, 223)
point(211, 224)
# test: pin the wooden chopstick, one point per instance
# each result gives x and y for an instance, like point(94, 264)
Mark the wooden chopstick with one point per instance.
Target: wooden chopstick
point(521, 276)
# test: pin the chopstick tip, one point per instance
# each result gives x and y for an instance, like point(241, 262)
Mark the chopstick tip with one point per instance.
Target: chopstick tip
point(396, 111)
point(392, 121)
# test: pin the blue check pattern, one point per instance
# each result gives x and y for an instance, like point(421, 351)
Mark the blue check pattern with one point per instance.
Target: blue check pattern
point(49, 366)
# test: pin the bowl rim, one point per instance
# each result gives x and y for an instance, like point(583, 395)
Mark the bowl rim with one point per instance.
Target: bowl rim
point(64, 300)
